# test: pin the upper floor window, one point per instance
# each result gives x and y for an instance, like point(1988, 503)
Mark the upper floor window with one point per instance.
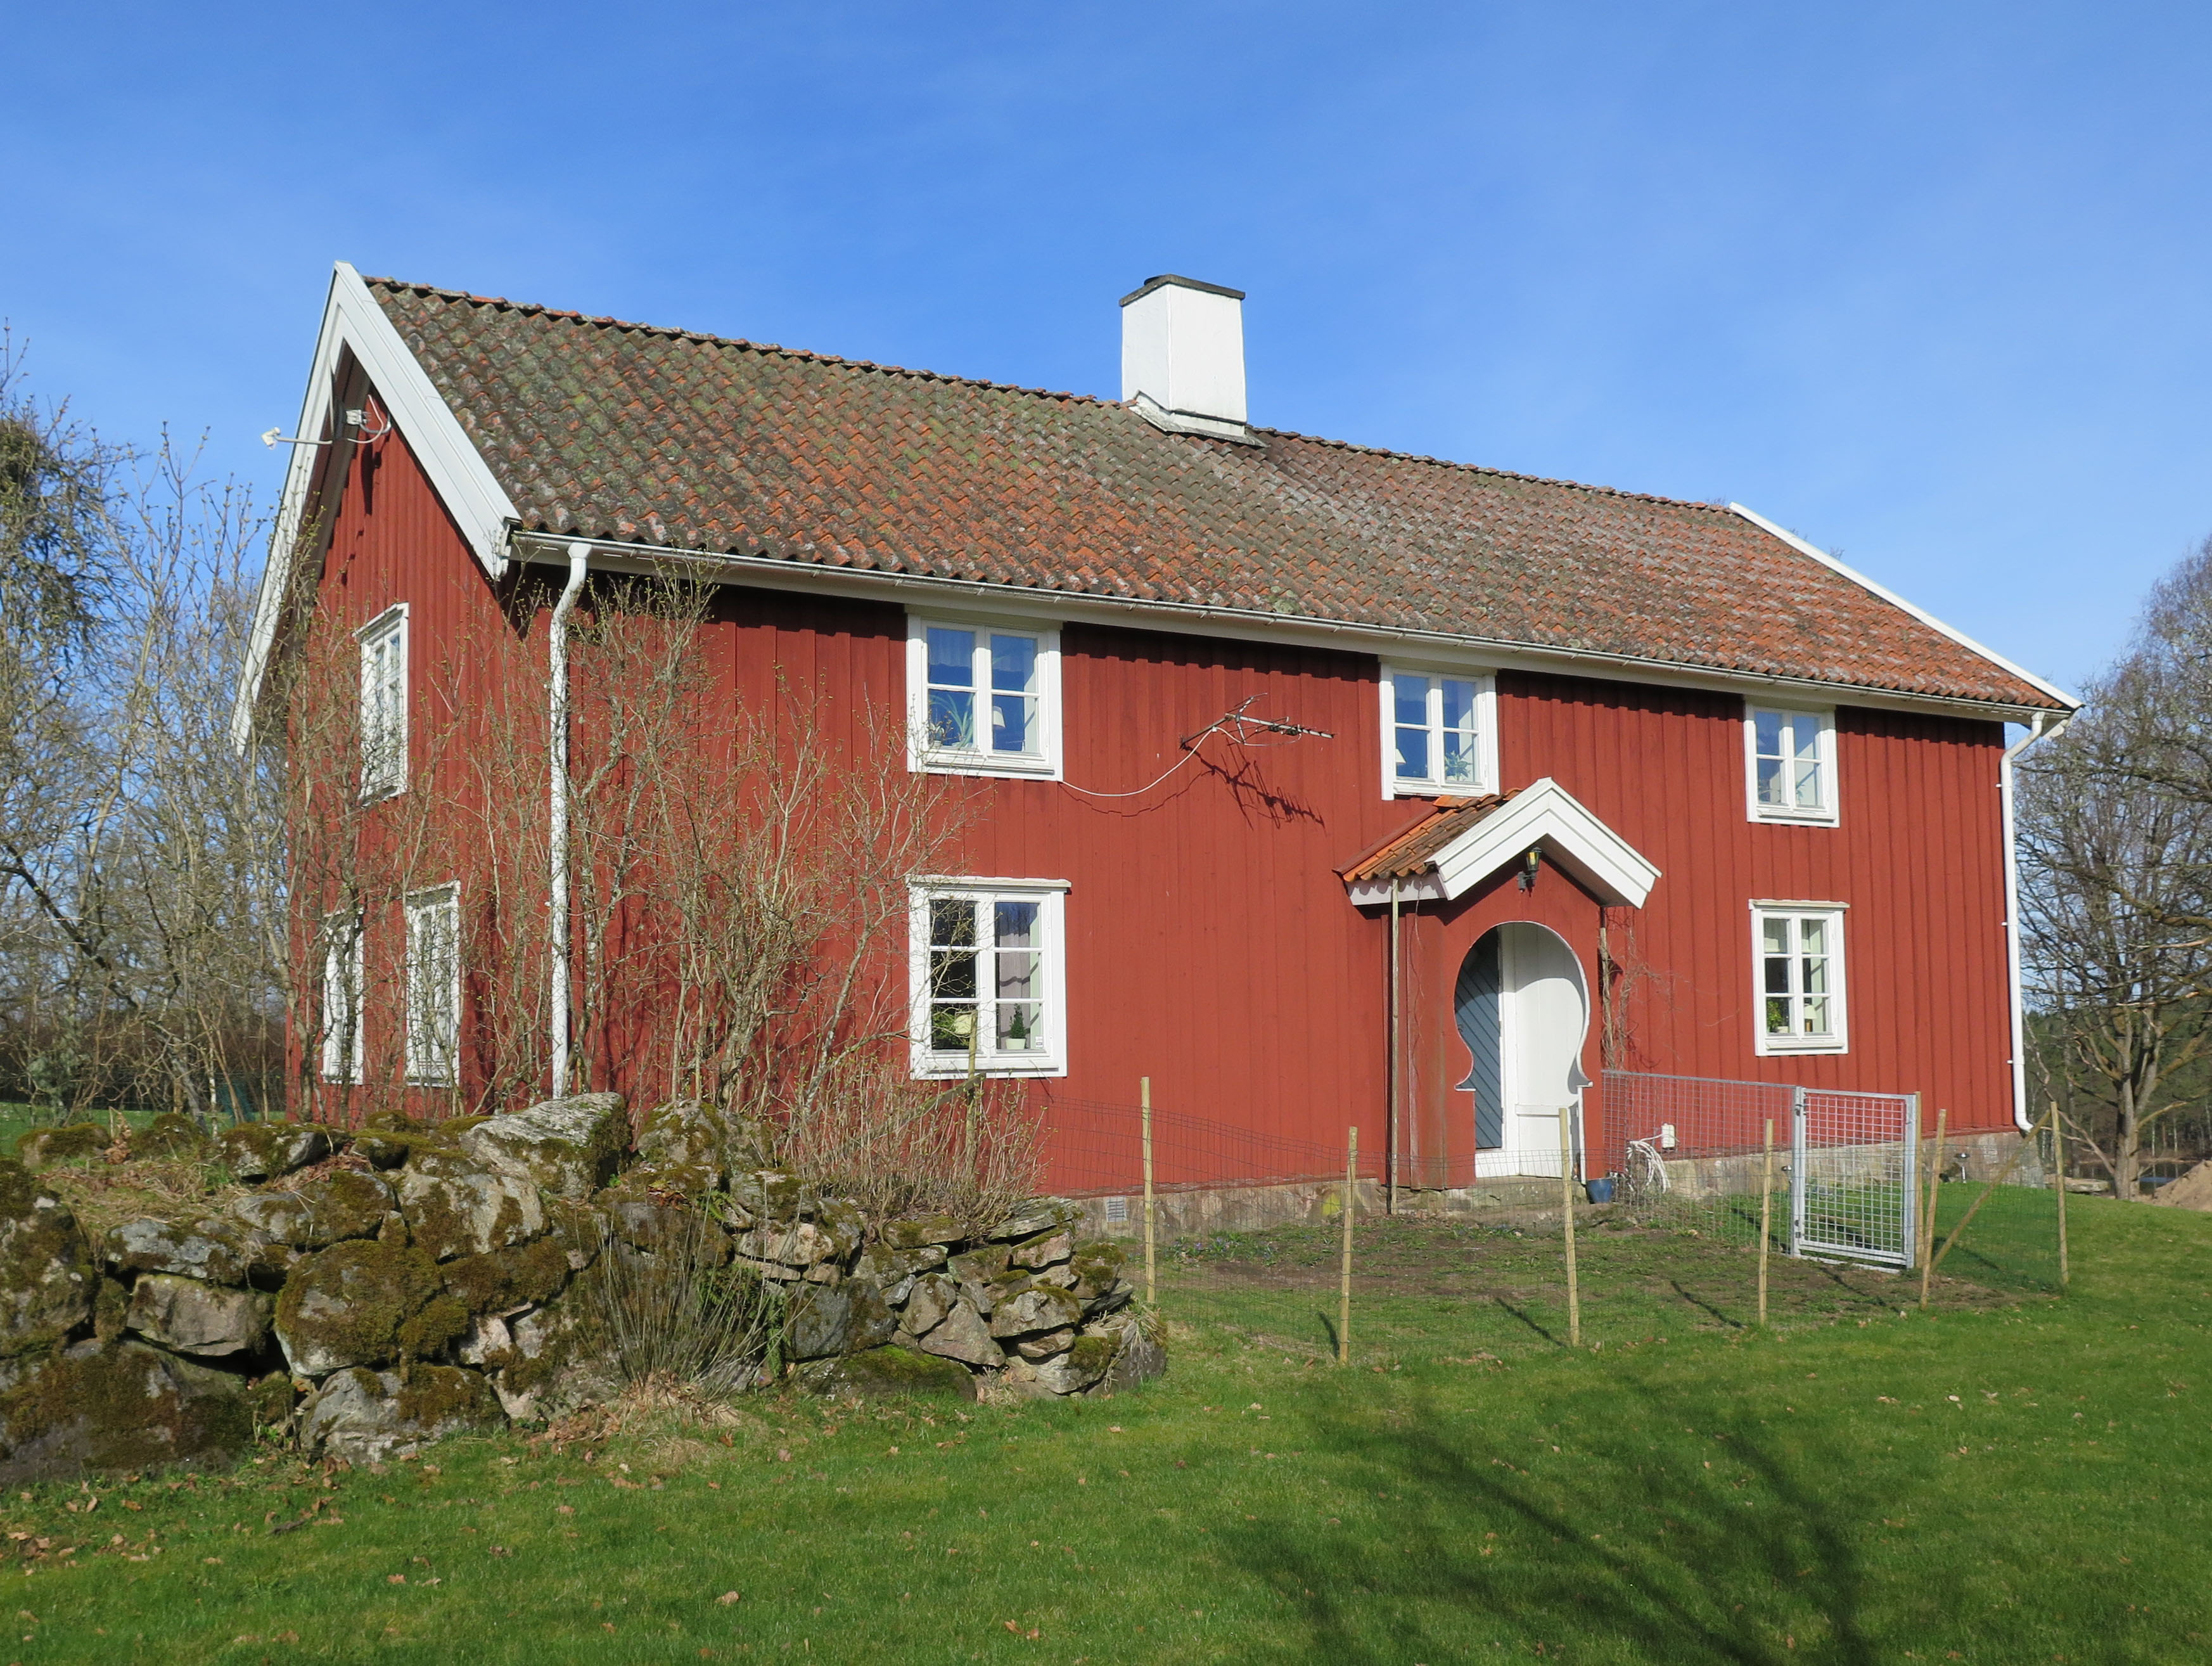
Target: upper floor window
point(1799, 950)
point(1789, 763)
point(1439, 733)
point(434, 987)
point(987, 976)
point(983, 699)
point(341, 997)
point(384, 703)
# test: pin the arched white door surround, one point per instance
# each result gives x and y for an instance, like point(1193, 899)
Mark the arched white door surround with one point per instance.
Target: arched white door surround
point(1522, 1006)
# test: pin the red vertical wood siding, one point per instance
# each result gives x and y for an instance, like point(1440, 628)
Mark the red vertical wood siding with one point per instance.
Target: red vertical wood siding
point(1210, 944)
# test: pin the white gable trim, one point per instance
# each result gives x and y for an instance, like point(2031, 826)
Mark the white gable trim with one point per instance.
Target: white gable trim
point(1895, 601)
point(354, 324)
point(1543, 814)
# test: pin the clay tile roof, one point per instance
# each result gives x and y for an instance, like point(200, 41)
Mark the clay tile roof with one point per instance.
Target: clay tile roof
point(1413, 850)
point(621, 431)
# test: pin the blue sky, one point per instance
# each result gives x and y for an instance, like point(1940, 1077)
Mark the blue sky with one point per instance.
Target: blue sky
point(1928, 284)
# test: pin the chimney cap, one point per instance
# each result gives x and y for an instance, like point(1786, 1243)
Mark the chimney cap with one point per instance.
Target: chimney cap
point(1152, 283)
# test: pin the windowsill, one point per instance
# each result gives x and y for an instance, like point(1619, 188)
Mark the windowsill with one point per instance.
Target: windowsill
point(1772, 1046)
point(1795, 817)
point(979, 763)
point(955, 1069)
point(1431, 789)
point(379, 795)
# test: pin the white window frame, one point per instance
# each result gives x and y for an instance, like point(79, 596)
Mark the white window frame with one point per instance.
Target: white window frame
point(1831, 914)
point(1044, 763)
point(383, 733)
point(1050, 895)
point(344, 968)
point(434, 1060)
point(1826, 813)
point(1486, 730)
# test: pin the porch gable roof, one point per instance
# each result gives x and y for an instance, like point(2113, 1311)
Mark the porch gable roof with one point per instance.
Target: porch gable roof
point(1461, 841)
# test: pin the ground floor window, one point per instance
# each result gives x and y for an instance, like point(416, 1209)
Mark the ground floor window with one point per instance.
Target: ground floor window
point(987, 976)
point(1798, 949)
point(342, 1002)
point(434, 987)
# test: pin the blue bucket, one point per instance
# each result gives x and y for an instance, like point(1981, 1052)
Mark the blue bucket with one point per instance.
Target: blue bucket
point(1601, 1191)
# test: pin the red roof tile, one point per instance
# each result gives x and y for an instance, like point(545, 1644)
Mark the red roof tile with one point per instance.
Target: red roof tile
point(1412, 850)
point(622, 431)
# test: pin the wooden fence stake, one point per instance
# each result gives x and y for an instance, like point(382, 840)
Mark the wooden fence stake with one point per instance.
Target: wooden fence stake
point(1766, 1219)
point(1988, 1187)
point(1344, 1280)
point(1145, 1098)
point(1928, 1226)
point(1567, 1213)
point(2058, 1162)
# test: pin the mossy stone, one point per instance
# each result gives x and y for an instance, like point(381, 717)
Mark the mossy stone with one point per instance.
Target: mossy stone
point(273, 1400)
point(566, 1147)
point(80, 1142)
point(560, 1355)
point(882, 1371)
point(506, 1279)
point(221, 1251)
point(47, 1279)
point(366, 1416)
point(171, 1137)
point(262, 1151)
point(1041, 1215)
point(343, 1203)
point(441, 1323)
point(920, 1230)
point(456, 1206)
point(120, 1407)
point(347, 1305)
point(206, 1320)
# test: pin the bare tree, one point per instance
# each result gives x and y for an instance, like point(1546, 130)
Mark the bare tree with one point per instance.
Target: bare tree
point(2116, 829)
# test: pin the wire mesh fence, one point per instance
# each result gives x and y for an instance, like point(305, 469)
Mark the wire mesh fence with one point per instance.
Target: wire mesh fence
point(1667, 1190)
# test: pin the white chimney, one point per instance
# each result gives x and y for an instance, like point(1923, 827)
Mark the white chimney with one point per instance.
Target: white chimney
point(1182, 357)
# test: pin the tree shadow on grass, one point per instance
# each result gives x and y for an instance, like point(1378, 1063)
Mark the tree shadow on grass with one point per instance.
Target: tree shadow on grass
point(1625, 1547)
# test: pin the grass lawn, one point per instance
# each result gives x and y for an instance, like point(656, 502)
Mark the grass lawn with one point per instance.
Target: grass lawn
point(2008, 1478)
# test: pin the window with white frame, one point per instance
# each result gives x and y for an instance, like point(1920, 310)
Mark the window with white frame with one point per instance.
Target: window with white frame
point(1789, 762)
point(1439, 733)
point(984, 698)
point(1798, 948)
point(434, 987)
point(986, 976)
point(342, 1001)
point(384, 704)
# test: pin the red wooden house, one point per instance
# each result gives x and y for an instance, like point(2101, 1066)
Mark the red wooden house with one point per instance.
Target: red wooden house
point(1327, 785)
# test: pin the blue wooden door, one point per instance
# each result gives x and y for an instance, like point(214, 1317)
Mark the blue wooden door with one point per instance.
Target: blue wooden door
point(1475, 1010)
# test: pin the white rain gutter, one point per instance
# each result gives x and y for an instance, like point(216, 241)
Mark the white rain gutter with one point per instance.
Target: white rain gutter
point(2012, 911)
point(556, 676)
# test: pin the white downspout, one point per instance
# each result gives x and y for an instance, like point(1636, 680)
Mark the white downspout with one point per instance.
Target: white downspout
point(556, 679)
point(2012, 912)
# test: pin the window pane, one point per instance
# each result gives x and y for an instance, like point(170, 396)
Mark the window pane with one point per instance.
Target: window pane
point(1014, 925)
point(1013, 723)
point(1812, 935)
point(952, 658)
point(1778, 974)
point(1020, 1027)
point(1013, 664)
point(1773, 788)
point(1774, 934)
point(1816, 1017)
point(951, 923)
point(1777, 1017)
point(951, 718)
point(1459, 704)
point(1816, 975)
point(950, 1027)
point(1766, 728)
point(1410, 697)
point(1459, 758)
point(1809, 784)
point(1413, 755)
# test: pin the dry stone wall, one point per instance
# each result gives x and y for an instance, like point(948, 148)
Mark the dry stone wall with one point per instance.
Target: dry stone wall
point(378, 1291)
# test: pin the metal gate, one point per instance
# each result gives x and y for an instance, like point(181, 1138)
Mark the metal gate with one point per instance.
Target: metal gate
point(1852, 1168)
point(1851, 1157)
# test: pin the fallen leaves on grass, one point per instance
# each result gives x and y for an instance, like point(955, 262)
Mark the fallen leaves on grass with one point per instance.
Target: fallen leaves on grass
point(729, 1596)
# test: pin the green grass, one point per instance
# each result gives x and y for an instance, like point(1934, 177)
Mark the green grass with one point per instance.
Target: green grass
point(2008, 1478)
